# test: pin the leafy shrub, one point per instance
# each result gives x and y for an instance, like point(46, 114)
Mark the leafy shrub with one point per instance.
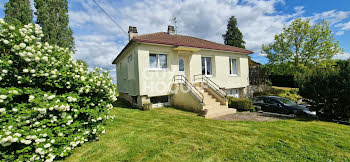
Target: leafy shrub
point(49, 103)
point(291, 94)
point(328, 91)
point(241, 104)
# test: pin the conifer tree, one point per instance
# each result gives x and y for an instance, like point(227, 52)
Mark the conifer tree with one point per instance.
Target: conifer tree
point(233, 35)
point(18, 12)
point(53, 17)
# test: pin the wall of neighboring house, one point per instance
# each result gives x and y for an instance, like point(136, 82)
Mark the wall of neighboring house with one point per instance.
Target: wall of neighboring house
point(127, 72)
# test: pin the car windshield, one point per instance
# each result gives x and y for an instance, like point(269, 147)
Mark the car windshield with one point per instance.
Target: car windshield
point(285, 101)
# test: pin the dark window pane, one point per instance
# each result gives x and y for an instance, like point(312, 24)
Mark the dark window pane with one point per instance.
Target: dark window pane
point(159, 99)
point(209, 67)
point(203, 65)
point(153, 61)
point(230, 66)
point(181, 65)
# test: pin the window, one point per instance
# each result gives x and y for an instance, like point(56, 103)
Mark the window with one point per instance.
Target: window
point(207, 68)
point(233, 92)
point(130, 58)
point(181, 64)
point(233, 67)
point(159, 99)
point(158, 61)
point(258, 100)
point(134, 100)
point(270, 101)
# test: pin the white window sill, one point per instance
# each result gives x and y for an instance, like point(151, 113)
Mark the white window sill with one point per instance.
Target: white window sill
point(156, 69)
point(209, 76)
point(233, 75)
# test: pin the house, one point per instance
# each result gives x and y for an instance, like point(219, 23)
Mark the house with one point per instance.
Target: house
point(168, 69)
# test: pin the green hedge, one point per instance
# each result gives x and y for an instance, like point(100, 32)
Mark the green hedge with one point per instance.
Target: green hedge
point(241, 104)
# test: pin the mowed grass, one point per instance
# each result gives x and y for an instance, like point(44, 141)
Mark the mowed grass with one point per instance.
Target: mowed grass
point(168, 134)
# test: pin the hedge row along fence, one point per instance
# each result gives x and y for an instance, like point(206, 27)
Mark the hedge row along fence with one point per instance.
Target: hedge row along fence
point(49, 103)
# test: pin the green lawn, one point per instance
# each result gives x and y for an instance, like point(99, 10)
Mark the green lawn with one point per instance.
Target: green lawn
point(172, 135)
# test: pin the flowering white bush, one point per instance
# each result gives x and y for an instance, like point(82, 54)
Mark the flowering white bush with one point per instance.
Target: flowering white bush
point(49, 103)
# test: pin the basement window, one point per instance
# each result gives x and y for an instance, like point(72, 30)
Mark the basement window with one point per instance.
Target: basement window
point(159, 99)
point(134, 100)
point(233, 92)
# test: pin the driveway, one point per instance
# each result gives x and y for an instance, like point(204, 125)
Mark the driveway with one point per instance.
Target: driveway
point(253, 116)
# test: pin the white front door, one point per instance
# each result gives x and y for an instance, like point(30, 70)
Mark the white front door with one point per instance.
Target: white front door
point(182, 66)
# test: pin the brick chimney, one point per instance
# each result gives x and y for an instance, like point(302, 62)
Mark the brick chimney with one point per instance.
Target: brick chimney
point(132, 32)
point(171, 30)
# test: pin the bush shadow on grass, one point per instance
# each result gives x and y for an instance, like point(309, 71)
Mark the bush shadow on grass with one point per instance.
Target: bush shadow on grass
point(306, 118)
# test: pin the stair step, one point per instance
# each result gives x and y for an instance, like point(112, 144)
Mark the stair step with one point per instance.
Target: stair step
point(213, 105)
point(214, 114)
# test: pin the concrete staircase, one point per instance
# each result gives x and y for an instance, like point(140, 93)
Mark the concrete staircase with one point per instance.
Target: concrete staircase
point(215, 106)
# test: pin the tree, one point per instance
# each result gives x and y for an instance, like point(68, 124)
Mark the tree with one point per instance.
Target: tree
point(18, 12)
point(233, 35)
point(301, 46)
point(328, 90)
point(52, 16)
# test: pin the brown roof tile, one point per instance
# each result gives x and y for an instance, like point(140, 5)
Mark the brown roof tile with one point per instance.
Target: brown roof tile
point(181, 40)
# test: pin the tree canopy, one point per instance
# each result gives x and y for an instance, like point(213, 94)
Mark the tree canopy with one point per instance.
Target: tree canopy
point(233, 35)
point(18, 12)
point(301, 46)
point(52, 16)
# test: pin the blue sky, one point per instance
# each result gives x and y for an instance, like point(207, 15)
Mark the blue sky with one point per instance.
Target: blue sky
point(98, 40)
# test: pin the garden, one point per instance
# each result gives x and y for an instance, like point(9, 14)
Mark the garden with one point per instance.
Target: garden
point(168, 134)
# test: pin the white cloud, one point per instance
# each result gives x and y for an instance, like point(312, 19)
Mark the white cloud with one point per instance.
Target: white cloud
point(344, 26)
point(344, 56)
point(331, 16)
point(339, 33)
point(97, 50)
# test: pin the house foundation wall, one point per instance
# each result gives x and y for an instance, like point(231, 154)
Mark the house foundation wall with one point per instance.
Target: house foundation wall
point(185, 100)
point(126, 97)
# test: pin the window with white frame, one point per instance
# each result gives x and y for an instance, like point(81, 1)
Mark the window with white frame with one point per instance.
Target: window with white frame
point(233, 67)
point(233, 92)
point(207, 66)
point(158, 61)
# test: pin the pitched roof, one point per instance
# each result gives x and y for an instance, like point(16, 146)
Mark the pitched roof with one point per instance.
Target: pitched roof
point(181, 40)
point(187, 41)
